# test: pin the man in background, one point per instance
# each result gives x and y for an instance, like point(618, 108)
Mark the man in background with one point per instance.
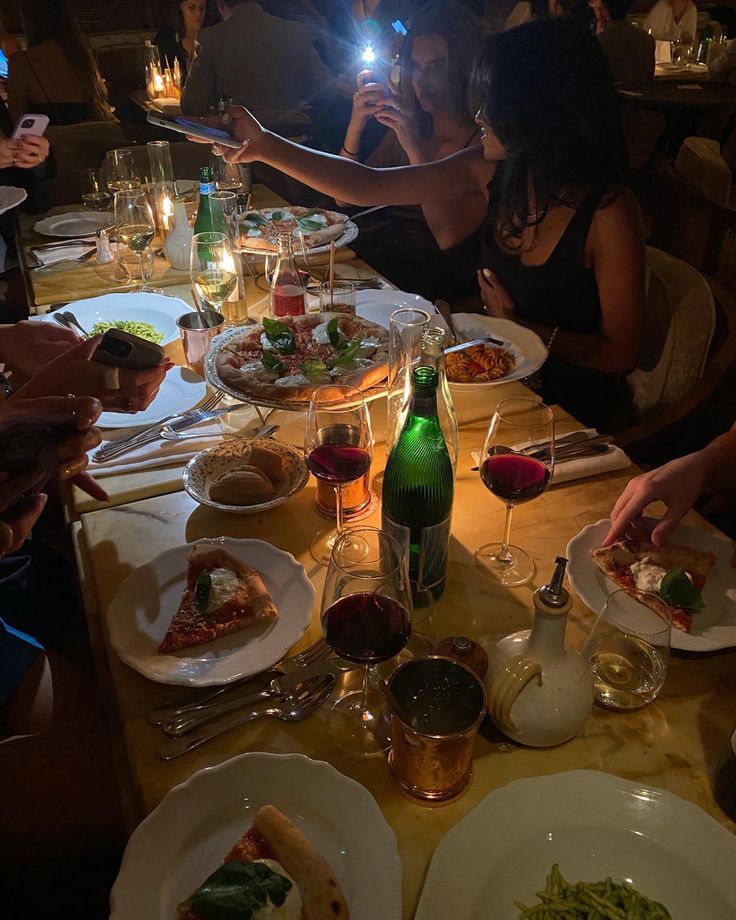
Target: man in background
point(630, 51)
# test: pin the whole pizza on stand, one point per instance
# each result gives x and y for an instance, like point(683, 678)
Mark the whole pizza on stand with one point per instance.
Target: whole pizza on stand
point(284, 361)
point(259, 229)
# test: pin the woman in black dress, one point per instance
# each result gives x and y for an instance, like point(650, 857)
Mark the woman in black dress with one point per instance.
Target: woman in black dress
point(175, 42)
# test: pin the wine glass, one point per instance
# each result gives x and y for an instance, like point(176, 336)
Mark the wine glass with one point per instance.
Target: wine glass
point(228, 177)
point(366, 617)
point(120, 170)
point(212, 269)
point(628, 650)
point(338, 446)
point(134, 223)
point(516, 465)
point(95, 194)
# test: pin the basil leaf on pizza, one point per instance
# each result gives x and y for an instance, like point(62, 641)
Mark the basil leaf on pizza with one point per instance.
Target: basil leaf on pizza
point(677, 589)
point(346, 356)
point(272, 363)
point(238, 889)
point(279, 335)
point(313, 367)
point(254, 218)
point(310, 225)
point(202, 590)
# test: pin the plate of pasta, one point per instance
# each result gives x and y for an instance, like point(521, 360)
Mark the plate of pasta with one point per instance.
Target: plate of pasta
point(521, 353)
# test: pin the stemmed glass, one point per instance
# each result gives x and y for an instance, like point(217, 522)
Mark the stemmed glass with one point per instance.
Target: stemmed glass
point(338, 446)
point(366, 617)
point(120, 170)
point(134, 223)
point(516, 465)
point(95, 195)
point(212, 269)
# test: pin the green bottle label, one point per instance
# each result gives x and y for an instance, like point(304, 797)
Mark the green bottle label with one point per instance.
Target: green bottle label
point(206, 188)
point(426, 549)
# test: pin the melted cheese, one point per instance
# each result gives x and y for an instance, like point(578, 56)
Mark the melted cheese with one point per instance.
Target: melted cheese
point(320, 334)
point(266, 343)
point(648, 576)
point(224, 587)
point(291, 909)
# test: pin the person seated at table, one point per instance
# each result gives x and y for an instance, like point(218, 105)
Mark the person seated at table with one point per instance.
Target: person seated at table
point(529, 10)
point(563, 250)
point(56, 75)
point(176, 42)
point(254, 59)
point(679, 484)
point(629, 50)
point(428, 120)
point(673, 21)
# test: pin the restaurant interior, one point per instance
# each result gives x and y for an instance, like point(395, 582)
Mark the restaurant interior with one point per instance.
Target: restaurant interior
point(287, 287)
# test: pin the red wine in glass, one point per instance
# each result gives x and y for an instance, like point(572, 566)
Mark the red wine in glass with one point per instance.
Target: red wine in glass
point(515, 478)
point(366, 627)
point(338, 463)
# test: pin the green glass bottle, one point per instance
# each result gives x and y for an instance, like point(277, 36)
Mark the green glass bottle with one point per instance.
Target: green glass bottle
point(209, 219)
point(418, 487)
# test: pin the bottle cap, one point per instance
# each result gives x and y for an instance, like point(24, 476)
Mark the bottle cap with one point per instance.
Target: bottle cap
point(554, 594)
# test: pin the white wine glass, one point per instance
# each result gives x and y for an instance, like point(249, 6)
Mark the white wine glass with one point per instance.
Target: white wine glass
point(120, 171)
point(134, 223)
point(212, 269)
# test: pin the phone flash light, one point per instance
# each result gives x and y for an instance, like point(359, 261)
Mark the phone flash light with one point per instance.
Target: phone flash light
point(369, 55)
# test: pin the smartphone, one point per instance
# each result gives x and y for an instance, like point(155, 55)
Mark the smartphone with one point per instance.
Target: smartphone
point(31, 124)
point(123, 349)
point(193, 126)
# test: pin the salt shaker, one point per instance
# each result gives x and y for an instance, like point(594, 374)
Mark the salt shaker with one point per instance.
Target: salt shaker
point(104, 251)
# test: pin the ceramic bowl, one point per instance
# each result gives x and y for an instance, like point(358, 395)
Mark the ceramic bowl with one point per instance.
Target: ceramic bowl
point(230, 455)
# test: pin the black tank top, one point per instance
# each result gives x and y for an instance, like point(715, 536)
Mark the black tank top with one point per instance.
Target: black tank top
point(561, 292)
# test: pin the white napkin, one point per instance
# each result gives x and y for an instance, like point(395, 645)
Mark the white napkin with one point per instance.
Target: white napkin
point(159, 453)
point(48, 257)
point(582, 467)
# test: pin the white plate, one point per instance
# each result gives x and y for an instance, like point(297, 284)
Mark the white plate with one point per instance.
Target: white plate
point(527, 347)
point(592, 824)
point(187, 836)
point(141, 612)
point(377, 306)
point(349, 234)
point(180, 391)
point(11, 197)
point(716, 625)
point(75, 224)
point(161, 310)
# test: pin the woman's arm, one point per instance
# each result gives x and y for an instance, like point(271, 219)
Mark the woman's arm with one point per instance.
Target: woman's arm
point(458, 176)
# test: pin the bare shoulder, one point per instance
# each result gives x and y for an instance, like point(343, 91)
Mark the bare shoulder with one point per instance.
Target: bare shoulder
point(617, 220)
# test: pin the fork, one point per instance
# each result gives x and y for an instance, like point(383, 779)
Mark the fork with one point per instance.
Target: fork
point(114, 449)
point(314, 653)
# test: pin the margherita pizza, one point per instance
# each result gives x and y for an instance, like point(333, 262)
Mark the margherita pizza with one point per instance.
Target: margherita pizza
point(222, 596)
point(667, 579)
point(274, 871)
point(260, 229)
point(287, 359)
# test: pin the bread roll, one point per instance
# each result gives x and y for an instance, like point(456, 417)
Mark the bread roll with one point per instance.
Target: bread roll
point(245, 486)
point(269, 462)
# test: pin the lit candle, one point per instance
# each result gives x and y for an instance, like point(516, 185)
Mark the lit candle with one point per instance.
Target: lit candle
point(167, 212)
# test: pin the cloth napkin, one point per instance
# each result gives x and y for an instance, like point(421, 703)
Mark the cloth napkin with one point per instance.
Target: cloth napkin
point(46, 257)
point(582, 467)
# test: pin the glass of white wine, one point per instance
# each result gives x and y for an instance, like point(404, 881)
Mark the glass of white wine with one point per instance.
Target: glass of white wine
point(95, 194)
point(212, 269)
point(120, 171)
point(134, 223)
point(628, 650)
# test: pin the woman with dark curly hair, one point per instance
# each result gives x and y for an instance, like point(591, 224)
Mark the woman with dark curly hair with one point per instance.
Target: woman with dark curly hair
point(563, 251)
point(429, 118)
point(175, 41)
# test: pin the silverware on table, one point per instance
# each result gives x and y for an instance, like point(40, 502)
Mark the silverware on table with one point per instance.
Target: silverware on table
point(316, 652)
point(114, 449)
point(484, 340)
point(265, 431)
point(565, 450)
point(445, 311)
point(278, 687)
point(73, 321)
point(300, 703)
point(83, 258)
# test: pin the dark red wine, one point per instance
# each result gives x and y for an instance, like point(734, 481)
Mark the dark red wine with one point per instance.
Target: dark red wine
point(514, 477)
point(339, 462)
point(366, 627)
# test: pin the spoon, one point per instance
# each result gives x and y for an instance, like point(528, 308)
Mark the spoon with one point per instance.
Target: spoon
point(292, 707)
point(72, 320)
point(445, 311)
point(265, 431)
point(59, 317)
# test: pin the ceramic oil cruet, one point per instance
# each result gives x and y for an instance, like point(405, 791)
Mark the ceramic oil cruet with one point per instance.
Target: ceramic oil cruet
point(178, 242)
point(540, 691)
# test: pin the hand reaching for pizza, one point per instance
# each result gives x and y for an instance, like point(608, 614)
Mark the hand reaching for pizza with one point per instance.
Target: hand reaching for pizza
point(496, 299)
point(678, 484)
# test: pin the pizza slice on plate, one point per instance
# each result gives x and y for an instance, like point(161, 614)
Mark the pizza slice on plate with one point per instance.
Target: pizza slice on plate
point(222, 596)
point(664, 578)
point(272, 872)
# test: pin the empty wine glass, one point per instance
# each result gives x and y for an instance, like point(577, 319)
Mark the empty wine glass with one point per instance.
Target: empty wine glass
point(516, 465)
point(120, 170)
point(134, 223)
point(212, 269)
point(95, 194)
point(338, 446)
point(366, 617)
point(628, 650)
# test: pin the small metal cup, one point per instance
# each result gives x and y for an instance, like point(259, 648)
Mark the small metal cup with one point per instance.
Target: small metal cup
point(436, 706)
point(197, 330)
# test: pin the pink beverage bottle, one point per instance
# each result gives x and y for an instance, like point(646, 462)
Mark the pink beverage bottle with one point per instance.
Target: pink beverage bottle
point(287, 286)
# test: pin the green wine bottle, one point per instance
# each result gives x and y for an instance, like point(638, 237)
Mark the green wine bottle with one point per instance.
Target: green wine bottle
point(418, 487)
point(210, 218)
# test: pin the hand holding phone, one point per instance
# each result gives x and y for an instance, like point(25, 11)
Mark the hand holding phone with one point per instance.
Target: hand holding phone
point(212, 130)
point(34, 125)
point(124, 349)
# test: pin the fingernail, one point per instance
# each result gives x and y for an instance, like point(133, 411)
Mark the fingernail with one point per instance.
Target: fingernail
point(44, 498)
point(487, 272)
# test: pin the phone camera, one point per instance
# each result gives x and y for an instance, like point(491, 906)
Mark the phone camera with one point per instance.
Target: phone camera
point(117, 348)
point(28, 123)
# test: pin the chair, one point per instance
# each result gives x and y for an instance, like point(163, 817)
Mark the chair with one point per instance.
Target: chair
point(78, 147)
point(693, 227)
point(688, 351)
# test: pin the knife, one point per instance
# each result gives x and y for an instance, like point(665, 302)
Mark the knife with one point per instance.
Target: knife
point(486, 340)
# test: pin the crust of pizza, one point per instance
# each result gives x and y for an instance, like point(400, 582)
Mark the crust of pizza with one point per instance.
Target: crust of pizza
point(333, 230)
point(615, 562)
point(322, 898)
point(250, 604)
point(228, 363)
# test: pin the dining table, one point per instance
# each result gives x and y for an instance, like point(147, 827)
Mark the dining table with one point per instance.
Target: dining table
point(673, 743)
